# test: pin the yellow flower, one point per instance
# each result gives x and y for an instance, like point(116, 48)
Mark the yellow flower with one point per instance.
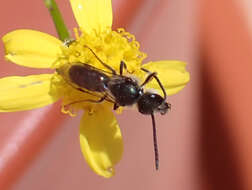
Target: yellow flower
point(100, 136)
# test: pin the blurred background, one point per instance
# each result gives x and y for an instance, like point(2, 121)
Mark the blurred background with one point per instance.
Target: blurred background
point(204, 142)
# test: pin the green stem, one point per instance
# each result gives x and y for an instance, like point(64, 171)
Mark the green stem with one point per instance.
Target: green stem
point(57, 19)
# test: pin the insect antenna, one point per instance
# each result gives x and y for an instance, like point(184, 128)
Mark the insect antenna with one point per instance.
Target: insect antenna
point(104, 64)
point(155, 142)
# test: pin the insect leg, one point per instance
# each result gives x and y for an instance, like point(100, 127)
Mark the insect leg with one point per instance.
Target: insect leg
point(104, 64)
point(122, 66)
point(150, 77)
point(88, 100)
point(106, 97)
point(91, 101)
point(116, 106)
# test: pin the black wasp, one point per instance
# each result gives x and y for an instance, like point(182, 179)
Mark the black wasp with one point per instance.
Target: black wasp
point(119, 89)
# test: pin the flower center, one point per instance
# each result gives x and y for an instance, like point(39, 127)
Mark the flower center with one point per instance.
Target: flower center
point(110, 47)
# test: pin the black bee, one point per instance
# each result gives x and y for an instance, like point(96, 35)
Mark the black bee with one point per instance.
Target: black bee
point(119, 89)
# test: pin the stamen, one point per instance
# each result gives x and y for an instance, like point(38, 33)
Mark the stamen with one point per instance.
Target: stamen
point(90, 111)
point(68, 110)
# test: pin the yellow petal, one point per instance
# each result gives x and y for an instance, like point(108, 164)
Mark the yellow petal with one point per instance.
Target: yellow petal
point(101, 141)
point(25, 93)
point(31, 48)
point(172, 74)
point(92, 14)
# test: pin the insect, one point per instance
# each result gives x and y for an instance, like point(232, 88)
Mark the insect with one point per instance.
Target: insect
point(119, 89)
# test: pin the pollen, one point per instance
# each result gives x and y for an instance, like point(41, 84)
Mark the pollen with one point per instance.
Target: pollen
point(108, 46)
